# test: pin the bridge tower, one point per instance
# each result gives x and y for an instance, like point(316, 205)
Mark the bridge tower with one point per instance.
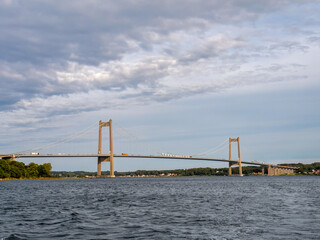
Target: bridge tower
point(103, 158)
point(239, 156)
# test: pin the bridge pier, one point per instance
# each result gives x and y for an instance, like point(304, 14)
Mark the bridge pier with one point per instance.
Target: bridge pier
point(270, 171)
point(230, 168)
point(274, 170)
point(262, 171)
point(100, 160)
point(99, 167)
point(10, 157)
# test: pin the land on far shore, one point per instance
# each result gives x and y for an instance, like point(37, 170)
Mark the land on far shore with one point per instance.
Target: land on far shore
point(13, 170)
point(304, 169)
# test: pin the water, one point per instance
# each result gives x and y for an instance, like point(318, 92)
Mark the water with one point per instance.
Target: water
point(161, 208)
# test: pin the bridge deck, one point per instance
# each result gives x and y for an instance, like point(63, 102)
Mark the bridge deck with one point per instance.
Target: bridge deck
point(142, 156)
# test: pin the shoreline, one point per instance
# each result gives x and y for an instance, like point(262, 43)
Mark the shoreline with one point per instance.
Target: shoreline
point(48, 178)
point(43, 178)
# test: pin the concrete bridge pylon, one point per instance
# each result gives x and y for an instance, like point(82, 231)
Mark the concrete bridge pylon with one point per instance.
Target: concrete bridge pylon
point(239, 156)
point(103, 158)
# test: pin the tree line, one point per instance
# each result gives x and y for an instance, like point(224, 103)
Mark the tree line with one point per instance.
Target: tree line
point(192, 172)
point(15, 169)
point(177, 172)
point(305, 168)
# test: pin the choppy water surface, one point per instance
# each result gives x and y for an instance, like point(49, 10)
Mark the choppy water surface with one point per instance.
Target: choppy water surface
point(161, 208)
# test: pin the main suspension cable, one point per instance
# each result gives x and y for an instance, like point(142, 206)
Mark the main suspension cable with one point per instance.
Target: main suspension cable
point(60, 141)
point(213, 150)
point(140, 140)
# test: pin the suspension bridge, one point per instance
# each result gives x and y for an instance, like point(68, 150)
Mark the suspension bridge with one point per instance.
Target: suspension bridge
point(273, 170)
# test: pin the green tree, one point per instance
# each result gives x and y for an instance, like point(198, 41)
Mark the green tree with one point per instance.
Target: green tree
point(21, 166)
point(15, 172)
point(32, 170)
point(44, 170)
point(5, 167)
point(48, 168)
point(2, 174)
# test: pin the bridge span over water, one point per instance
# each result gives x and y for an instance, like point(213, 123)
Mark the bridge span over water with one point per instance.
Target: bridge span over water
point(273, 170)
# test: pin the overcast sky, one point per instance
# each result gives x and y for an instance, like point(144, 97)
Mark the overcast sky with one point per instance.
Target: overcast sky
point(181, 75)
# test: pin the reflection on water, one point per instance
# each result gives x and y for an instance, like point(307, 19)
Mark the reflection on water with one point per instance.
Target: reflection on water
point(161, 208)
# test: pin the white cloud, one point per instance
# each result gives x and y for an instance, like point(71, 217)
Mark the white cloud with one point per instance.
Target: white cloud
point(89, 55)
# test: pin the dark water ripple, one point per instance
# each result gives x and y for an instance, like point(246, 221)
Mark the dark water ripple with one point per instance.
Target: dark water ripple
point(161, 208)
